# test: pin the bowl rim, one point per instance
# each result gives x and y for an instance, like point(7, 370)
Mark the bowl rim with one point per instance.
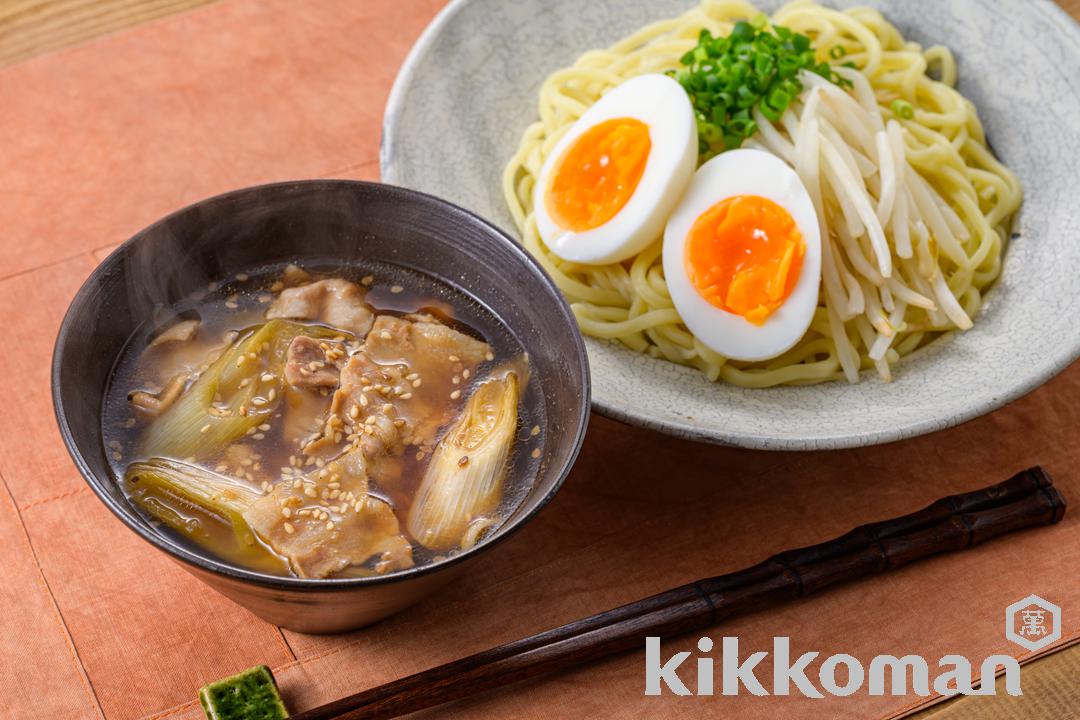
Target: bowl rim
point(391, 168)
point(187, 557)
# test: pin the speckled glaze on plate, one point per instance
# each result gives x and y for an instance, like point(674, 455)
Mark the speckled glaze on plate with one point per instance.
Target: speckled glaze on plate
point(468, 90)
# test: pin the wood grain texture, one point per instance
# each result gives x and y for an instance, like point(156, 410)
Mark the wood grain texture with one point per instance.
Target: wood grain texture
point(1050, 693)
point(36, 27)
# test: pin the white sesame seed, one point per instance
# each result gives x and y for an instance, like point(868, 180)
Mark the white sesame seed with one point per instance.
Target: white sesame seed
point(205, 428)
point(396, 289)
point(455, 395)
point(289, 528)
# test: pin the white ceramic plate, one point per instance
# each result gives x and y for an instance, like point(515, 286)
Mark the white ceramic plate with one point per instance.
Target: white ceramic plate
point(468, 90)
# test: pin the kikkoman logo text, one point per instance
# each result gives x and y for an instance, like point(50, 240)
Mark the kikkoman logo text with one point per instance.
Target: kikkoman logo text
point(838, 675)
point(1032, 623)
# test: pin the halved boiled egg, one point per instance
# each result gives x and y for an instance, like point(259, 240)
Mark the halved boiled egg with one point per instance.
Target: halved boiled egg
point(742, 256)
point(607, 187)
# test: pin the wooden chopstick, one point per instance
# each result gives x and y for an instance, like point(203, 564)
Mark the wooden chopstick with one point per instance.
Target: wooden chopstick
point(952, 523)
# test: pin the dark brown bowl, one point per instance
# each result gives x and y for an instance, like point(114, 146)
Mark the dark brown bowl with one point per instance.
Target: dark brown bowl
point(316, 220)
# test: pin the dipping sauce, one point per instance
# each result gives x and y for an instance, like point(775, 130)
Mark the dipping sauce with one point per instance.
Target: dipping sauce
point(325, 422)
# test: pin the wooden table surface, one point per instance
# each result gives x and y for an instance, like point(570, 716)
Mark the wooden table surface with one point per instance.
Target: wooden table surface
point(30, 28)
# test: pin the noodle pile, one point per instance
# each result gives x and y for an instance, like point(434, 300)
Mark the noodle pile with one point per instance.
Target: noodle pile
point(914, 211)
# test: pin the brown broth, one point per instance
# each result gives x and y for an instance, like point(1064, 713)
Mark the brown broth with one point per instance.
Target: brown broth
point(237, 306)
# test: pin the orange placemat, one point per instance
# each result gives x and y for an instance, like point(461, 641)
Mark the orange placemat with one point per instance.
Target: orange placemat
point(100, 140)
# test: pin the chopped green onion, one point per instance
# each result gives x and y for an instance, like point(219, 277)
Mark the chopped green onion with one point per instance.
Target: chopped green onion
point(902, 109)
point(755, 66)
point(837, 51)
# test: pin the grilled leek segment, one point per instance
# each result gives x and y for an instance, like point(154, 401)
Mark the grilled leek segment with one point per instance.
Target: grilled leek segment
point(236, 393)
point(156, 482)
point(464, 481)
point(205, 507)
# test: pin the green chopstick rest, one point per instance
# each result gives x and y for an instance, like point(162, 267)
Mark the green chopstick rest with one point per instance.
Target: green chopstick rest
point(249, 695)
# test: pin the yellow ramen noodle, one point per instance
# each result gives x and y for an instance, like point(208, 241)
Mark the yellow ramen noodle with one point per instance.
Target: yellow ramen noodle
point(947, 229)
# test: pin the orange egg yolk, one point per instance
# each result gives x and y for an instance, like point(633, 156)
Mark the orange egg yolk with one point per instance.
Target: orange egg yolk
point(744, 255)
point(598, 174)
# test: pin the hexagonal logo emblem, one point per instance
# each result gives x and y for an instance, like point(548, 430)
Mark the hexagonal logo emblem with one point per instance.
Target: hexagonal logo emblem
point(1033, 623)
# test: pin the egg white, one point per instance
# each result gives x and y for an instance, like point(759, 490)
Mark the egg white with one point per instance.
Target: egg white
point(744, 172)
point(659, 102)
